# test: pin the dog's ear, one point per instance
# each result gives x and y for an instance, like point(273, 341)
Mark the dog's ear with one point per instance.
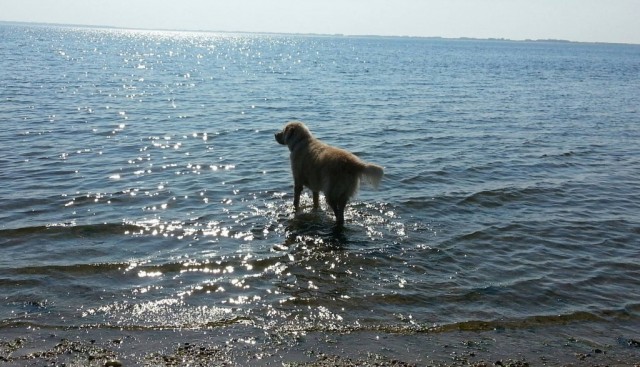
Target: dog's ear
point(289, 132)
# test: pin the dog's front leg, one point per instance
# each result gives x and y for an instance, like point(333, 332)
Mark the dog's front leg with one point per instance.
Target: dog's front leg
point(316, 200)
point(339, 213)
point(297, 191)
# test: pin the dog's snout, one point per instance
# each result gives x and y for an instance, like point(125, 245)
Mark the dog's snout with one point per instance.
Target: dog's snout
point(279, 138)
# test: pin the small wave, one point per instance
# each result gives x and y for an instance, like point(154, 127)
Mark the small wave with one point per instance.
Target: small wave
point(424, 178)
point(498, 197)
point(161, 314)
point(325, 321)
point(70, 269)
point(103, 229)
point(482, 325)
point(530, 322)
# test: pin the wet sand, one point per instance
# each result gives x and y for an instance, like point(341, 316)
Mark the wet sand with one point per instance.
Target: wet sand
point(566, 345)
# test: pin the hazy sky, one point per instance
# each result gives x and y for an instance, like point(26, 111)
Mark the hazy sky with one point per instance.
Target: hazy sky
point(575, 20)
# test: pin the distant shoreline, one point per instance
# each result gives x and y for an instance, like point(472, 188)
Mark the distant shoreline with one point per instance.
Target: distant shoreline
point(561, 41)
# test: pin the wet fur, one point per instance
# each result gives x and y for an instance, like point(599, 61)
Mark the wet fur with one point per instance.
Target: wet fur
point(321, 167)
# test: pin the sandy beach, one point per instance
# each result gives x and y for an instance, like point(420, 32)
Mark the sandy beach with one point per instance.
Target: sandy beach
point(565, 345)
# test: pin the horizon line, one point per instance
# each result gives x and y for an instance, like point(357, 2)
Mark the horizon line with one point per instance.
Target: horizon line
point(549, 40)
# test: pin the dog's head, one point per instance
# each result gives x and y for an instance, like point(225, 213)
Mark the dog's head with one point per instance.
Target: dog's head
point(293, 133)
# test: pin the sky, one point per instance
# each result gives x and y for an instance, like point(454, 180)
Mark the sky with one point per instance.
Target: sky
point(615, 21)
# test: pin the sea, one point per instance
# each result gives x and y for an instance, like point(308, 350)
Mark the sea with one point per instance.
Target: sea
point(142, 189)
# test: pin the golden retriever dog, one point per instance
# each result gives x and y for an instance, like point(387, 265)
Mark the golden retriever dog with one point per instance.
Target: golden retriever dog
point(321, 167)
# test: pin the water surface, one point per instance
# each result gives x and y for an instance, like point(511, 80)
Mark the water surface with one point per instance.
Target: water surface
point(142, 187)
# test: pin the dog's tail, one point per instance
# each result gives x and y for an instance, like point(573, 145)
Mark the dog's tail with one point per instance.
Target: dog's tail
point(372, 173)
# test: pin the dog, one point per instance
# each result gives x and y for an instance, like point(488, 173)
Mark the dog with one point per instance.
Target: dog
point(321, 167)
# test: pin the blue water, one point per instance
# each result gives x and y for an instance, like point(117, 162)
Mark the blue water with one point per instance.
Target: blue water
point(142, 188)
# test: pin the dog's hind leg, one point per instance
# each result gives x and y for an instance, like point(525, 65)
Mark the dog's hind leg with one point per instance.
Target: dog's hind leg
point(297, 191)
point(338, 207)
point(316, 200)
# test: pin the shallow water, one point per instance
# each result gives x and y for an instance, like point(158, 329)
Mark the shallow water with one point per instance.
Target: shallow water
point(142, 187)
